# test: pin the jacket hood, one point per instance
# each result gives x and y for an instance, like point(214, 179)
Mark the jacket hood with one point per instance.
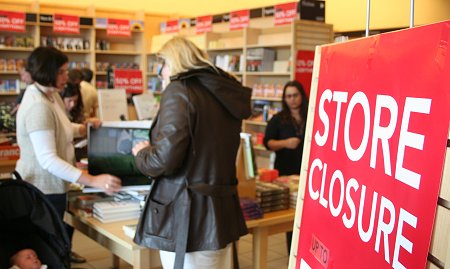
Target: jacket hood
point(225, 88)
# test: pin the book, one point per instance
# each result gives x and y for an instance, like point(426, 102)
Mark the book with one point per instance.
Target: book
point(129, 230)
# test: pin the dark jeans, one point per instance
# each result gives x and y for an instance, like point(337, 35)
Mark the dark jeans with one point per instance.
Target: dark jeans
point(59, 202)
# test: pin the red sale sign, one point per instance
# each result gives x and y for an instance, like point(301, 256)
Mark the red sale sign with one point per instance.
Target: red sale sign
point(172, 26)
point(130, 80)
point(239, 19)
point(12, 21)
point(285, 13)
point(378, 144)
point(66, 24)
point(303, 68)
point(204, 24)
point(118, 27)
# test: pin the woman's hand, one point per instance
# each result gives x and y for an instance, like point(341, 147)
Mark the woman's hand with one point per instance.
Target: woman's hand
point(292, 142)
point(109, 183)
point(95, 122)
point(140, 146)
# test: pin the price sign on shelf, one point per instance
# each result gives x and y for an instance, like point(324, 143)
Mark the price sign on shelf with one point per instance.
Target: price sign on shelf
point(118, 27)
point(204, 24)
point(378, 146)
point(172, 26)
point(285, 13)
point(239, 19)
point(12, 21)
point(66, 24)
point(130, 80)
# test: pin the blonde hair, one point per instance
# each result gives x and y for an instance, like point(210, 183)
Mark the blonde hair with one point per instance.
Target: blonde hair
point(182, 55)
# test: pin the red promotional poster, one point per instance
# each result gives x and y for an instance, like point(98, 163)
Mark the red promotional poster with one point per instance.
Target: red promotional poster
point(303, 68)
point(378, 146)
point(66, 24)
point(130, 80)
point(12, 21)
point(239, 19)
point(204, 24)
point(285, 13)
point(118, 27)
point(172, 26)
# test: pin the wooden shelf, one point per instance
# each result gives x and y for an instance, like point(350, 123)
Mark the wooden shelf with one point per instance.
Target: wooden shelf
point(272, 99)
point(15, 49)
point(118, 52)
point(268, 73)
point(9, 93)
point(280, 45)
point(76, 51)
point(9, 73)
point(225, 49)
point(259, 123)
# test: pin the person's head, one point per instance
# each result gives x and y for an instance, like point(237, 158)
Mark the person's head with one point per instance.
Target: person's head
point(71, 96)
point(48, 66)
point(87, 74)
point(181, 55)
point(75, 76)
point(294, 97)
point(26, 259)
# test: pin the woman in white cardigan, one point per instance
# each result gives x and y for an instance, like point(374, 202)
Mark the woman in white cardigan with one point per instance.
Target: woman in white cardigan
point(45, 134)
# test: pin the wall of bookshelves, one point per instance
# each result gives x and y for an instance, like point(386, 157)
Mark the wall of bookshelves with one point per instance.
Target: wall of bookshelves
point(262, 56)
point(92, 47)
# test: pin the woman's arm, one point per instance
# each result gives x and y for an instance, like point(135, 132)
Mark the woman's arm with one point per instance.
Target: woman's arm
point(44, 147)
point(169, 148)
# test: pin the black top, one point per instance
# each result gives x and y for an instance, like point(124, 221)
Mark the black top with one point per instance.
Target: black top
point(287, 161)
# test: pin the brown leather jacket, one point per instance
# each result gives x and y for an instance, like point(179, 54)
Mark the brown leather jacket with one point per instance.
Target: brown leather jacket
point(193, 204)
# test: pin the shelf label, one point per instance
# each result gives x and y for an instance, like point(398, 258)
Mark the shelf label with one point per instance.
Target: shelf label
point(204, 24)
point(66, 24)
point(285, 13)
point(130, 80)
point(239, 19)
point(12, 21)
point(9, 153)
point(303, 68)
point(377, 151)
point(118, 27)
point(172, 27)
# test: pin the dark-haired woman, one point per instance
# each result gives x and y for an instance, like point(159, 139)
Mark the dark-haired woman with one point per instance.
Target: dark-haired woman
point(71, 96)
point(45, 134)
point(285, 133)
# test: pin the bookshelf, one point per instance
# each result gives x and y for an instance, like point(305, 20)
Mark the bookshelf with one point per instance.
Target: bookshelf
point(262, 56)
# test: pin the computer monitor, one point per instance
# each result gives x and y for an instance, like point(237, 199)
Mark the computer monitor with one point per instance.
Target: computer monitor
point(109, 150)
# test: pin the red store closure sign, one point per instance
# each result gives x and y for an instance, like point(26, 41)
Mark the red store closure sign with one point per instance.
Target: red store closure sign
point(377, 152)
point(12, 21)
point(130, 80)
point(117, 27)
point(66, 24)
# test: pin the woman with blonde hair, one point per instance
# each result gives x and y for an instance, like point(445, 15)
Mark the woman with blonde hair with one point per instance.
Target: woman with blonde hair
point(192, 213)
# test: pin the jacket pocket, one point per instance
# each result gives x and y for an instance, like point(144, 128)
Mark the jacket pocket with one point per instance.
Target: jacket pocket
point(160, 219)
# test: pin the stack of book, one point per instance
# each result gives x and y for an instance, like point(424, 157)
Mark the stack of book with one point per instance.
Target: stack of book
point(290, 182)
point(272, 197)
point(250, 208)
point(113, 211)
